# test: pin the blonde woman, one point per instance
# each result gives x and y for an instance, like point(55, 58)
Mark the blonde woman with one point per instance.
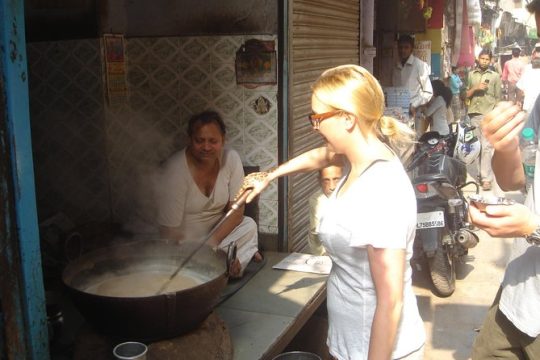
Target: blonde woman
point(369, 225)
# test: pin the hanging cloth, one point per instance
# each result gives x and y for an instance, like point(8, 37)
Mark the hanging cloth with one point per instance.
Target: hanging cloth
point(474, 12)
point(466, 50)
point(458, 30)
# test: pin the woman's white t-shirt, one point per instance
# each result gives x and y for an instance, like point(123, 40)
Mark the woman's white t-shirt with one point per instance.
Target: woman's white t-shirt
point(379, 209)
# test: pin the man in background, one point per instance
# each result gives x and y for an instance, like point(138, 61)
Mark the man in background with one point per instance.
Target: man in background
point(412, 73)
point(512, 71)
point(328, 180)
point(529, 84)
point(483, 92)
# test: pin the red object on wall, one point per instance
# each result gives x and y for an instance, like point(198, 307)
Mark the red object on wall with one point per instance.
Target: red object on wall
point(466, 51)
point(436, 20)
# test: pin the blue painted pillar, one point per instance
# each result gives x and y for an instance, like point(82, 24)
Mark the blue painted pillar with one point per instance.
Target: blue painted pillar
point(23, 298)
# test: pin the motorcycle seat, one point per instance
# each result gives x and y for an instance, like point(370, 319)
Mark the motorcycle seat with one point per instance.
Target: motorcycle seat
point(441, 168)
point(432, 177)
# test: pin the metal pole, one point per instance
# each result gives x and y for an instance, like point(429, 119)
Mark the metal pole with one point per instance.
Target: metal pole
point(283, 123)
point(367, 26)
point(21, 288)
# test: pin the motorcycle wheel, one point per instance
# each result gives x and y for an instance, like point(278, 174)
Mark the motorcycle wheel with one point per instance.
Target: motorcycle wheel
point(443, 273)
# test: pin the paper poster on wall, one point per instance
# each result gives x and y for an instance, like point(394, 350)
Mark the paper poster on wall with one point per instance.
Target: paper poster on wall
point(115, 68)
point(422, 50)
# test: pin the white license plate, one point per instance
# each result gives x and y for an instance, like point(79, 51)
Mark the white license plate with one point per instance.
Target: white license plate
point(428, 220)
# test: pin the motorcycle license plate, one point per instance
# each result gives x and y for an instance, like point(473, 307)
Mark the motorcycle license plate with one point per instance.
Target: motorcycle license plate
point(428, 220)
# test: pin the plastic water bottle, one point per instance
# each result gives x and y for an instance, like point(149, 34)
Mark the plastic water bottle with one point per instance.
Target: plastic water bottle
point(528, 154)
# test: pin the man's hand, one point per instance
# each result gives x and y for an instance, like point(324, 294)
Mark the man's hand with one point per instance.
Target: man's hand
point(502, 126)
point(481, 86)
point(412, 111)
point(504, 220)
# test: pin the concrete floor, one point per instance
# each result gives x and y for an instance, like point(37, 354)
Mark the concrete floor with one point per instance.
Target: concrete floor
point(451, 323)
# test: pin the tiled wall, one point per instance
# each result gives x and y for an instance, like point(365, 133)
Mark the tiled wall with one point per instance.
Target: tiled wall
point(68, 130)
point(169, 79)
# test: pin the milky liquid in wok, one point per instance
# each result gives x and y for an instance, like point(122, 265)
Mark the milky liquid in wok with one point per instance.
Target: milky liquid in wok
point(140, 284)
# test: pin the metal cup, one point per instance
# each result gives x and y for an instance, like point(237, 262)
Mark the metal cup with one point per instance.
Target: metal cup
point(130, 351)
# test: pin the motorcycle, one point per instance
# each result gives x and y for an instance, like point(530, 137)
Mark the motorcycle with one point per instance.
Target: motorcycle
point(438, 173)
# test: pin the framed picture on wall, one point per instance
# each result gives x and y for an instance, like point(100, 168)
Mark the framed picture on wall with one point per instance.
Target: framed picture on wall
point(256, 63)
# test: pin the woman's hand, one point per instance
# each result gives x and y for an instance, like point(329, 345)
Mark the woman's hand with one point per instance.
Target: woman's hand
point(311, 160)
point(255, 183)
point(504, 220)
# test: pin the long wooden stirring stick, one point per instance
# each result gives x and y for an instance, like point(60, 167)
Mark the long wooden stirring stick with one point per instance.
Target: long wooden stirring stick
point(235, 206)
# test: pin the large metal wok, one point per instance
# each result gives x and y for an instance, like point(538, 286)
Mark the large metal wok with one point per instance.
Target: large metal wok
point(151, 317)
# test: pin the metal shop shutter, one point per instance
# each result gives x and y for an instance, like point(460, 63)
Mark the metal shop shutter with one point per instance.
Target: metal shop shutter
point(323, 34)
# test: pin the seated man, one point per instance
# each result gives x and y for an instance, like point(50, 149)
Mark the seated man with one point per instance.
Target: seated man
point(328, 179)
point(198, 186)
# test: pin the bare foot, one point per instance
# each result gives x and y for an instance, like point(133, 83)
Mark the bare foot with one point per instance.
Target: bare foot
point(235, 271)
point(257, 257)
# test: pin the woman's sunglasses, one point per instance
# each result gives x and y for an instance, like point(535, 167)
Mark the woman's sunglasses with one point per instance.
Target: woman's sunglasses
point(316, 119)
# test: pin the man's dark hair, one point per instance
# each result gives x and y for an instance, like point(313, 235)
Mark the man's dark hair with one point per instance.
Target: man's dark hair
point(206, 117)
point(534, 6)
point(406, 39)
point(516, 52)
point(486, 52)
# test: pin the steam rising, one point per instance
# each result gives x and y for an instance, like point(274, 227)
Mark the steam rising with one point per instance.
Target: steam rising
point(137, 147)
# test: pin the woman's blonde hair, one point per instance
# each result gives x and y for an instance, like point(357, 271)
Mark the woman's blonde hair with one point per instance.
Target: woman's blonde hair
point(353, 89)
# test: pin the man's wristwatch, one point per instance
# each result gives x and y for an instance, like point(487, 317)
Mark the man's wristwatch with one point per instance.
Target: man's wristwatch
point(534, 237)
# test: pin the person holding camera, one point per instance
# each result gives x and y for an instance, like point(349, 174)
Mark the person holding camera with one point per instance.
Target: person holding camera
point(483, 92)
point(511, 328)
